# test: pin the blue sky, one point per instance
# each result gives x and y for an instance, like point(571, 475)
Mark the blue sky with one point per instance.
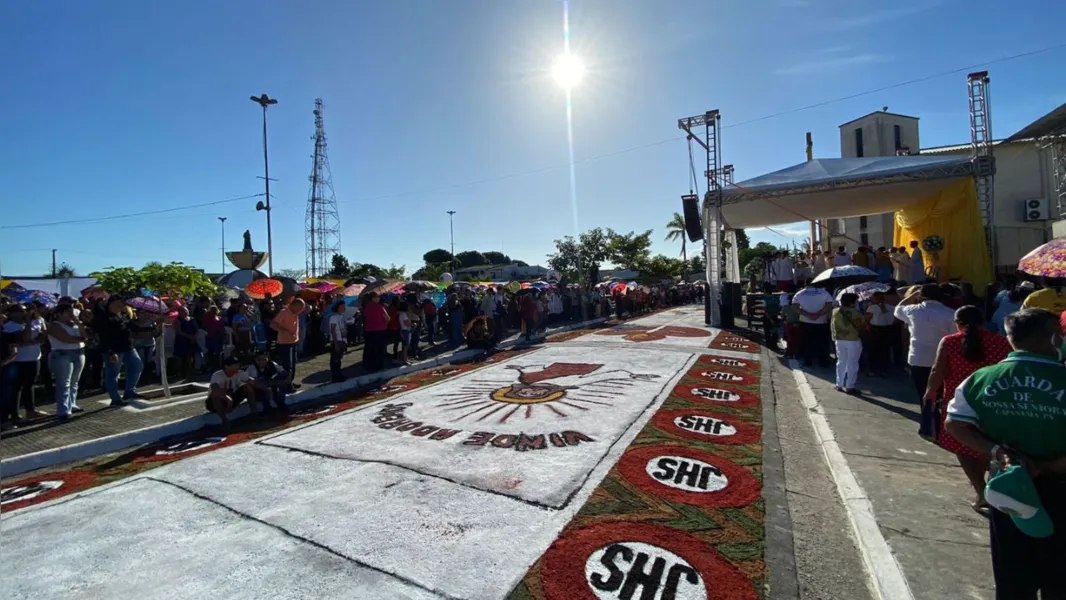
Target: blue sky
point(125, 106)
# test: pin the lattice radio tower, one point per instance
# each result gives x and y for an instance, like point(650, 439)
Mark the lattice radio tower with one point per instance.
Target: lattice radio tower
point(323, 224)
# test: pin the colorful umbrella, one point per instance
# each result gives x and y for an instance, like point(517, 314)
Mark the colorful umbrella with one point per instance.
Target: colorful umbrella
point(864, 291)
point(149, 304)
point(419, 286)
point(1048, 260)
point(322, 286)
point(354, 290)
point(844, 276)
point(259, 288)
point(32, 296)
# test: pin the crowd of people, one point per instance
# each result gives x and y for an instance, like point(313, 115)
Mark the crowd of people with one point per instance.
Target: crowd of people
point(786, 271)
point(989, 375)
point(250, 349)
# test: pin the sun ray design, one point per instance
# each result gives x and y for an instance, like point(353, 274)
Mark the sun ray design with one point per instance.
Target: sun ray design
point(542, 388)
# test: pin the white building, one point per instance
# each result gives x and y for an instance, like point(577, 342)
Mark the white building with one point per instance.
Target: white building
point(502, 272)
point(1023, 197)
point(876, 134)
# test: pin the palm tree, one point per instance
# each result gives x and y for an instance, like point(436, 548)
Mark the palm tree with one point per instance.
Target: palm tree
point(675, 230)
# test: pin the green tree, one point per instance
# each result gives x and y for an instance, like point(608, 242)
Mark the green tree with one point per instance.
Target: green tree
point(697, 265)
point(62, 270)
point(580, 259)
point(629, 250)
point(367, 270)
point(437, 256)
point(754, 267)
point(394, 272)
point(171, 279)
point(661, 267)
point(675, 230)
point(762, 251)
point(496, 258)
point(290, 273)
point(340, 269)
point(743, 242)
point(432, 272)
point(470, 258)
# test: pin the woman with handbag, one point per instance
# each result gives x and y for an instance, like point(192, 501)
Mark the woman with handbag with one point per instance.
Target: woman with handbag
point(957, 357)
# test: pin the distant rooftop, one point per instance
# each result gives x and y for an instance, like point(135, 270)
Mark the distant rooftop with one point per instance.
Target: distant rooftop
point(879, 112)
point(966, 146)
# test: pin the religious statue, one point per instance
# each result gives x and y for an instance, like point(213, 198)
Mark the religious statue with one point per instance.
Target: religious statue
point(247, 241)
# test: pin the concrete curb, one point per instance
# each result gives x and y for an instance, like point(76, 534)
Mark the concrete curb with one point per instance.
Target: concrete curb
point(119, 441)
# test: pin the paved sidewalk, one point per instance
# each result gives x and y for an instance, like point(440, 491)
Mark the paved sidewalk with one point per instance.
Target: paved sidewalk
point(919, 494)
point(99, 421)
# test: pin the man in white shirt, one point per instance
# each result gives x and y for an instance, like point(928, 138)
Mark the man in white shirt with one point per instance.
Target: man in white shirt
point(841, 258)
point(270, 380)
point(928, 321)
point(917, 263)
point(229, 387)
point(815, 307)
point(784, 272)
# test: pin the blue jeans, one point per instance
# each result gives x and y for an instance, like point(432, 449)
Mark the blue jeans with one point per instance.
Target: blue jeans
point(287, 358)
point(66, 366)
point(455, 322)
point(133, 363)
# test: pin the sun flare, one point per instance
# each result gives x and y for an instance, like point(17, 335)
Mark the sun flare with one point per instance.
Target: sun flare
point(568, 71)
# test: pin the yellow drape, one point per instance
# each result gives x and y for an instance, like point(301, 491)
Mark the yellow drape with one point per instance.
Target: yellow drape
point(952, 214)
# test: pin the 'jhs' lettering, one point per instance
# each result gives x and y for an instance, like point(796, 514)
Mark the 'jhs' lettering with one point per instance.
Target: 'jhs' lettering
point(685, 473)
point(626, 580)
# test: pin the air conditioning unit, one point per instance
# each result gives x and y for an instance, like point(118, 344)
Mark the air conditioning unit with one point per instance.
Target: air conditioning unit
point(1037, 210)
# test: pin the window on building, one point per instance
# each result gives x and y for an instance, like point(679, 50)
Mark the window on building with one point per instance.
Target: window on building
point(864, 239)
point(897, 134)
point(858, 142)
point(862, 222)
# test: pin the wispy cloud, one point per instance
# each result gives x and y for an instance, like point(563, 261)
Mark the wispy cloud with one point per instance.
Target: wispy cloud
point(833, 64)
point(877, 16)
point(787, 231)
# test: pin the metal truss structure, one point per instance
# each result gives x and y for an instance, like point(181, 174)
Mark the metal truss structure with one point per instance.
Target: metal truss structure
point(711, 122)
point(322, 220)
point(981, 154)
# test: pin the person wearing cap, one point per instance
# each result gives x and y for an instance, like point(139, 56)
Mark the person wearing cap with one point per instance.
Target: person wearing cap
point(229, 387)
point(1015, 413)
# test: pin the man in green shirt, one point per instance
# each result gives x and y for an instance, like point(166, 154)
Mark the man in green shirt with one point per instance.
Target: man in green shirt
point(1015, 412)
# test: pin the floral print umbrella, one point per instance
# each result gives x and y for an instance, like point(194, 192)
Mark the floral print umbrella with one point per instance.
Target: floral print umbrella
point(864, 291)
point(323, 286)
point(259, 288)
point(32, 296)
point(1048, 260)
point(149, 304)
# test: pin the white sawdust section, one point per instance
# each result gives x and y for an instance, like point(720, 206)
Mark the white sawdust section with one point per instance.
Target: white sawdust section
point(399, 516)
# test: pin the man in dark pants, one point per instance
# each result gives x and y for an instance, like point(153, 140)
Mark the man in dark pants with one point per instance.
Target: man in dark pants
point(815, 307)
point(1013, 412)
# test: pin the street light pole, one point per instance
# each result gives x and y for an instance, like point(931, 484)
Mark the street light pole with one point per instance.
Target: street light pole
point(266, 101)
point(451, 229)
point(223, 219)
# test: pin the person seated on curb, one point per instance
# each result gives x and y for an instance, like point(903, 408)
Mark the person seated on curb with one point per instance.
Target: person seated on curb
point(270, 380)
point(229, 387)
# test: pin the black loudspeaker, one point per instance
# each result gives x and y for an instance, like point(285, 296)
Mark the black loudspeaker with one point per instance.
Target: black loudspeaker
point(691, 203)
point(728, 307)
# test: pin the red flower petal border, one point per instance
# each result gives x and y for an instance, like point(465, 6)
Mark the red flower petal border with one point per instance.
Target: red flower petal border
point(688, 391)
point(68, 483)
point(745, 432)
point(564, 572)
point(741, 488)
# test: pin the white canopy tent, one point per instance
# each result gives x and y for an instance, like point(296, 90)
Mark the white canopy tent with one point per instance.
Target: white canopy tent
point(836, 188)
point(826, 188)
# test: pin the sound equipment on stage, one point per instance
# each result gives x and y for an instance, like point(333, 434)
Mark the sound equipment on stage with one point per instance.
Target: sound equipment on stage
point(729, 306)
point(691, 203)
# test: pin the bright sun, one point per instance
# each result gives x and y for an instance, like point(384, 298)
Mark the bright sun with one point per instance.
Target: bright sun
point(568, 71)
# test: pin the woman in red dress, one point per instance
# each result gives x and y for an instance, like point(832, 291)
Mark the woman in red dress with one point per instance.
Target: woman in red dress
point(957, 357)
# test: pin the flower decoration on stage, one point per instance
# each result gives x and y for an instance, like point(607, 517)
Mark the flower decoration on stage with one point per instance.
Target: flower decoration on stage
point(933, 243)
